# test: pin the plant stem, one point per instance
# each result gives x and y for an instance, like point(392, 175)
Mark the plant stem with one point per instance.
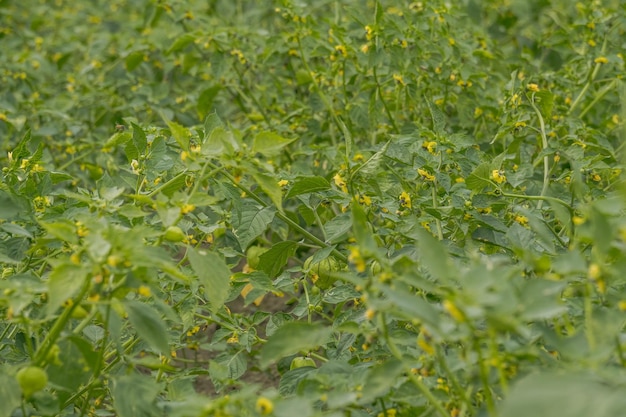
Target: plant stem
point(546, 160)
point(414, 379)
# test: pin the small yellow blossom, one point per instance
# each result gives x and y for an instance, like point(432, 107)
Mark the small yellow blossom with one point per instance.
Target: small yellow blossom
point(365, 48)
point(591, 42)
point(498, 176)
point(365, 199)
point(577, 220)
point(283, 183)
point(523, 220)
point(405, 199)
point(622, 305)
point(478, 112)
point(358, 157)
point(593, 271)
point(601, 60)
point(459, 180)
point(340, 182)
point(356, 259)
point(533, 87)
point(519, 125)
point(453, 310)
point(342, 50)
point(264, 406)
point(369, 33)
point(430, 146)
point(370, 313)
point(425, 174)
point(596, 177)
point(234, 339)
point(144, 291)
point(187, 208)
point(398, 78)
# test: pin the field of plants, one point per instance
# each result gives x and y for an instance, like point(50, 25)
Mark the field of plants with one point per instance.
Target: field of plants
point(341, 208)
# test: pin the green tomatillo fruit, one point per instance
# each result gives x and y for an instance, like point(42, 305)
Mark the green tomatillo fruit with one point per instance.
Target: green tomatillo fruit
point(301, 362)
point(31, 379)
point(254, 255)
point(322, 272)
point(174, 234)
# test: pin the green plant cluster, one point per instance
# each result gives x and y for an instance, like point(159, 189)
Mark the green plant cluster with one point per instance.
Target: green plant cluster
point(325, 208)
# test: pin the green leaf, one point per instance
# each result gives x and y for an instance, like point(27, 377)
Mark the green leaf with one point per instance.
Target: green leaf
point(270, 186)
point(9, 207)
point(213, 273)
point(361, 230)
point(437, 116)
point(149, 325)
point(180, 134)
point(180, 43)
point(292, 338)
point(434, 255)
point(62, 230)
point(273, 261)
point(139, 138)
point(304, 185)
point(206, 99)
point(545, 103)
point(211, 122)
point(133, 60)
point(372, 165)
point(135, 395)
point(269, 143)
point(479, 178)
point(563, 394)
point(64, 282)
point(10, 393)
point(380, 379)
point(252, 222)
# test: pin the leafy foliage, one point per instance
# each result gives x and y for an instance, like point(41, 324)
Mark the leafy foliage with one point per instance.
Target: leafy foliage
point(456, 167)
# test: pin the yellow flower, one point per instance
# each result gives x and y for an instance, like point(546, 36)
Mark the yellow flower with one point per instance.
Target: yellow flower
point(264, 406)
point(356, 259)
point(398, 78)
point(425, 174)
point(187, 208)
point(365, 48)
point(498, 176)
point(478, 112)
point(453, 310)
point(364, 199)
point(594, 271)
point(430, 146)
point(405, 199)
point(282, 183)
point(144, 291)
point(340, 182)
point(342, 50)
point(370, 313)
point(369, 33)
point(523, 220)
point(533, 87)
point(601, 60)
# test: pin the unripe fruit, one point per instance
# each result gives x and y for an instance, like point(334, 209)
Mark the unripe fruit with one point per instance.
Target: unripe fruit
point(321, 273)
point(254, 255)
point(174, 234)
point(31, 380)
point(301, 362)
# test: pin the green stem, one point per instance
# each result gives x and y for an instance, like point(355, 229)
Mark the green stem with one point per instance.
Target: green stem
point(382, 100)
point(544, 142)
point(484, 377)
point(59, 325)
point(598, 97)
point(588, 306)
point(437, 221)
point(592, 77)
point(414, 379)
point(455, 382)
